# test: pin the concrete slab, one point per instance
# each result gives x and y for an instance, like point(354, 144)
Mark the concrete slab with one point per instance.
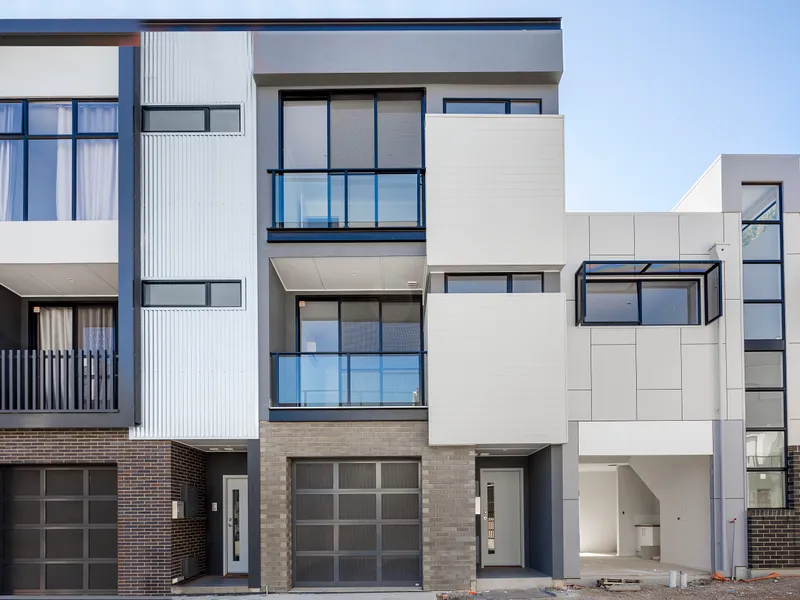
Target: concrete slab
point(511, 578)
point(652, 572)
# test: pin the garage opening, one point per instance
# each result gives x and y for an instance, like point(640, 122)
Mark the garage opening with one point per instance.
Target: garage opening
point(59, 530)
point(356, 523)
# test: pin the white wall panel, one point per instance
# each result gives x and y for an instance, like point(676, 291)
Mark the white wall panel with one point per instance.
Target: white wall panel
point(577, 251)
point(734, 344)
point(598, 511)
point(200, 366)
point(645, 438)
point(735, 405)
point(706, 194)
point(496, 369)
point(791, 233)
point(658, 358)
point(614, 383)
point(700, 382)
point(659, 405)
point(656, 237)
point(698, 232)
point(579, 405)
point(579, 353)
point(732, 271)
point(58, 242)
point(494, 190)
point(611, 234)
point(59, 72)
point(613, 335)
point(791, 266)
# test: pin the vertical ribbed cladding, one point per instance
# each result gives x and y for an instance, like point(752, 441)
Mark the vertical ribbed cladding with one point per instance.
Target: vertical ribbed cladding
point(199, 366)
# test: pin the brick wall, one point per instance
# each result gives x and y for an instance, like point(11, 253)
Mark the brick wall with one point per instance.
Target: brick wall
point(773, 534)
point(143, 487)
point(448, 493)
point(189, 534)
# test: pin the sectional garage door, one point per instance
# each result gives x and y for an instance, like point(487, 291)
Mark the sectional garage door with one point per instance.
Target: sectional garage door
point(356, 523)
point(59, 530)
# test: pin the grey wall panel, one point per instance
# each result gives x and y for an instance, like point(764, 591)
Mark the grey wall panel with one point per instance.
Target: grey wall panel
point(540, 506)
point(533, 52)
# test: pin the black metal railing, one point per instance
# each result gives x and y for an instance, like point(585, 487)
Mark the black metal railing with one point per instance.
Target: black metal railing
point(64, 381)
point(348, 198)
point(353, 379)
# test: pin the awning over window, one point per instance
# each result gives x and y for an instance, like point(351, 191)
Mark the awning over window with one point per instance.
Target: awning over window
point(709, 272)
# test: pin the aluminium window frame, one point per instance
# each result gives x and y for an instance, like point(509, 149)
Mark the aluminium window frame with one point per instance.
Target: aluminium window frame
point(74, 136)
point(506, 101)
point(770, 345)
point(206, 282)
point(206, 108)
point(509, 281)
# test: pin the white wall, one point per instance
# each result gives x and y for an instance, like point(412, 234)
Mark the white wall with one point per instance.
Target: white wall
point(648, 438)
point(598, 511)
point(59, 72)
point(494, 190)
point(58, 242)
point(682, 485)
point(706, 194)
point(200, 366)
point(654, 373)
point(496, 369)
point(636, 505)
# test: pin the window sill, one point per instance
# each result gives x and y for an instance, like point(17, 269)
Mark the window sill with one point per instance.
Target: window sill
point(419, 413)
point(375, 234)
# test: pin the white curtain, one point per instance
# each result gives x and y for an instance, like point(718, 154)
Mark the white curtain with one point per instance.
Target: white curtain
point(97, 165)
point(96, 329)
point(55, 328)
point(10, 161)
point(64, 165)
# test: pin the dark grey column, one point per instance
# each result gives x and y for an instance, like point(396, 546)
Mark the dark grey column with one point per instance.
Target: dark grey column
point(254, 514)
point(129, 278)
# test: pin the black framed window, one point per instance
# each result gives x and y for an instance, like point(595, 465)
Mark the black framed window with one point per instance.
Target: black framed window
point(764, 329)
point(191, 119)
point(359, 325)
point(493, 106)
point(188, 294)
point(60, 159)
point(494, 283)
point(642, 302)
point(59, 326)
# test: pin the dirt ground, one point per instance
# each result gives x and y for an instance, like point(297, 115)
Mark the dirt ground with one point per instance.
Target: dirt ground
point(763, 590)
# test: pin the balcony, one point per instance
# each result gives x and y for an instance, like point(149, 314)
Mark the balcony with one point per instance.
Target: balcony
point(328, 380)
point(348, 204)
point(58, 381)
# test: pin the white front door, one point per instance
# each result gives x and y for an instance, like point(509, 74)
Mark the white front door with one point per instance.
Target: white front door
point(501, 517)
point(235, 524)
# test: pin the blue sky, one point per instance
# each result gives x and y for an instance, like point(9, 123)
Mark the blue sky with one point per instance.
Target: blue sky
point(653, 90)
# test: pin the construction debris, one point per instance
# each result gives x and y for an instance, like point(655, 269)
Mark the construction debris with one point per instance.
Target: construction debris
point(620, 584)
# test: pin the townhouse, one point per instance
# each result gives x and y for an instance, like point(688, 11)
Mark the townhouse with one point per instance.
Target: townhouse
point(297, 304)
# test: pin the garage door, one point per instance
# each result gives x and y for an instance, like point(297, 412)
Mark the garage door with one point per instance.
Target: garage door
point(356, 523)
point(59, 529)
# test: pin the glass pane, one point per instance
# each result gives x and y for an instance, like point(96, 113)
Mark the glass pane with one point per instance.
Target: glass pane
point(97, 186)
point(50, 118)
point(66, 482)
point(361, 200)
point(399, 130)
point(475, 108)
point(763, 321)
point(226, 294)
point(606, 268)
point(303, 200)
point(611, 302)
point(98, 117)
point(49, 180)
point(760, 203)
point(352, 131)
point(397, 200)
point(319, 326)
point(236, 506)
point(305, 134)
point(763, 370)
point(477, 284)
point(95, 329)
point(761, 242)
point(400, 381)
point(526, 284)
point(224, 120)
point(761, 282)
point(669, 303)
point(11, 178)
point(63, 577)
point(763, 409)
point(185, 119)
point(361, 326)
point(174, 294)
point(401, 324)
point(713, 295)
point(525, 107)
point(765, 490)
point(103, 482)
point(103, 576)
point(10, 117)
point(490, 517)
point(764, 448)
